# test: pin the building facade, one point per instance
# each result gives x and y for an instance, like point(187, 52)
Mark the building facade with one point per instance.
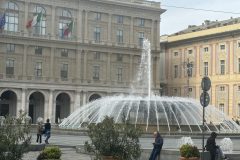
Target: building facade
point(49, 74)
point(212, 49)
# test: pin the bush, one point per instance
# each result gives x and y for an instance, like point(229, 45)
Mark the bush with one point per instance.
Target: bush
point(109, 139)
point(188, 150)
point(50, 153)
point(14, 137)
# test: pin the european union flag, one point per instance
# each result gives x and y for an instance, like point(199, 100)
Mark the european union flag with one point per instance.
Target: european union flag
point(2, 21)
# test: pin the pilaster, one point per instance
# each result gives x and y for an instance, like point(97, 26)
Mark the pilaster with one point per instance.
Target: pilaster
point(86, 27)
point(79, 25)
point(53, 22)
point(109, 28)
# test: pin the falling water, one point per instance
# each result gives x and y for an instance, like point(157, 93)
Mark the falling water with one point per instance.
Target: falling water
point(165, 114)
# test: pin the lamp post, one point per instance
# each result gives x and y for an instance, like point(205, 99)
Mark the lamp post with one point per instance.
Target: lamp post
point(188, 66)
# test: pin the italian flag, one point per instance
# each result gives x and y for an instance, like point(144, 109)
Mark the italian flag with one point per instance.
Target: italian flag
point(68, 28)
point(36, 19)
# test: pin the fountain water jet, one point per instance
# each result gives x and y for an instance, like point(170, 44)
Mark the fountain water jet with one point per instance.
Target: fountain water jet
point(141, 107)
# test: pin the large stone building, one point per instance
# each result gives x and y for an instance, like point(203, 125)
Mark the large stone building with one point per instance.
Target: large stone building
point(212, 49)
point(49, 74)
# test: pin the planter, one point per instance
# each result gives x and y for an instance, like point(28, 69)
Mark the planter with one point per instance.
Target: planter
point(190, 158)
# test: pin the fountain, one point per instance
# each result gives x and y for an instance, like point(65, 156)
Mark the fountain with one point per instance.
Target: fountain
point(185, 140)
point(226, 145)
point(165, 114)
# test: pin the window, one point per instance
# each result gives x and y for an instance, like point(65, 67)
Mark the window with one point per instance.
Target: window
point(221, 107)
point(119, 19)
point(205, 68)
point(190, 51)
point(189, 89)
point(222, 88)
point(11, 17)
point(189, 69)
point(175, 91)
point(96, 70)
point(119, 74)
point(175, 71)
point(238, 109)
point(119, 57)
point(238, 44)
point(141, 22)
point(64, 71)
point(222, 47)
point(238, 65)
point(10, 67)
point(97, 16)
point(120, 36)
point(40, 27)
point(64, 52)
point(222, 67)
point(97, 55)
point(140, 40)
point(97, 34)
point(10, 47)
point(38, 50)
point(38, 69)
point(205, 49)
point(175, 53)
point(238, 88)
point(64, 20)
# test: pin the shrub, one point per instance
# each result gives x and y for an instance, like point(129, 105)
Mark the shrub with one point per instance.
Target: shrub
point(109, 139)
point(50, 153)
point(14, 137)
point(188, 150)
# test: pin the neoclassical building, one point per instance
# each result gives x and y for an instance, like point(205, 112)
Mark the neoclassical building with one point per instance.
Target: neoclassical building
point(212, 49)
point(49, 74)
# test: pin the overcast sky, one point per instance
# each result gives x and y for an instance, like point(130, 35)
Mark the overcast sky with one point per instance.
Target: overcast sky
point(175, 19)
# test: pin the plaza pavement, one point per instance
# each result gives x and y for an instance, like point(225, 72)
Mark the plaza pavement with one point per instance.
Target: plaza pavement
point(68, 144)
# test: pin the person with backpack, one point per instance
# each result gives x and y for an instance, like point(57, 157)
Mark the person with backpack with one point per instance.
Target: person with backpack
point(47, 130)
point(157, 146)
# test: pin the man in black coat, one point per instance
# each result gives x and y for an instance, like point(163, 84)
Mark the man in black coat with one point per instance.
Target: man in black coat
point(157, 146)
point(211, 145)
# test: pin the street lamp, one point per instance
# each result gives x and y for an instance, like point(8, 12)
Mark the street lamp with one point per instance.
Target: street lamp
point(188, 66)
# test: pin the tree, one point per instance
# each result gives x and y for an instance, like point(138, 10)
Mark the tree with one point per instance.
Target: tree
point(14, 137)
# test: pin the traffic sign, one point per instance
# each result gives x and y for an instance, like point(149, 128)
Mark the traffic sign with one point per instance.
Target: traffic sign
point(207, 99)
point(206, 84)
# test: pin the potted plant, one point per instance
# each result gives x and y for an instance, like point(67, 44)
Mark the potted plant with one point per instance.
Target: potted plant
point(189, 152)
point(110, 141)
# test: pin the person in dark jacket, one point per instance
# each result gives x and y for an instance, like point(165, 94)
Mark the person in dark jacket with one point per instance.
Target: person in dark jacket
point(157, 146)
point(47, 130)
point(211, 145)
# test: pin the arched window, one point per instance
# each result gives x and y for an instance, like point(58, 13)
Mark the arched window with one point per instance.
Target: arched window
point(64, 20)
point(11, 17)
point(40, 27)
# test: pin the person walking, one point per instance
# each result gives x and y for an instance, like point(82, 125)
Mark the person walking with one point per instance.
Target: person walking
point(211, 145)
point(39, 132)
point(47, 130)
point(157, 146)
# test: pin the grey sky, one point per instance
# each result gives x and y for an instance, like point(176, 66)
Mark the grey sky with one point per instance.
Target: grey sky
point(175, 19)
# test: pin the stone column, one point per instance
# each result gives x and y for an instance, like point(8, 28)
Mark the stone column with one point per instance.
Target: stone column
point(109, 67)
point(53, 34)
point(54, 110)
point(85, 66)
point(50, 106)
point(109, 28)
point(26, 17)
point(197, 64)
point(25, 60)
point(78, 64)
point(86, 27)
point(77, 100)
point(157, 72)
point(23, 107)
point(131, 31)
point(84, 98)
point(230, 99)
point(213, 59)
point(152, 35)
point(231, 59)
point(158, 35)
point(131, 68)
point(19, 106)
point(52, 63)
point(79, 25)
point(46, 110)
